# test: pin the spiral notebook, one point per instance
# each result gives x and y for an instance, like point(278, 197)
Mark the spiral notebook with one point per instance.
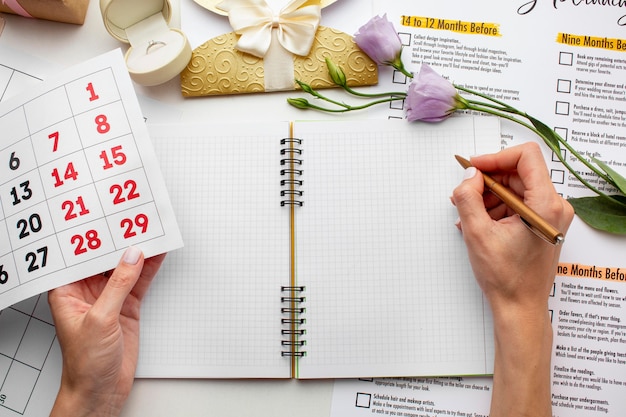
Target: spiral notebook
point(317, 250)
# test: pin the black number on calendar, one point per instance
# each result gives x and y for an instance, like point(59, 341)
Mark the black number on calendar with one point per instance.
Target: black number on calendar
point(83, 243)
point(37, 259)
point(92, 93)
point(130, 187)
point(117, 157)
point(4, 275)
point(70, 174)
point(33, 224)
point(3, 398)
point(26, 193)
point(141, 221)
point(69, 206)
point(14, 162)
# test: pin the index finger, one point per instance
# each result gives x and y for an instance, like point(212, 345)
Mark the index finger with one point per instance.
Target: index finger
point(527, 161)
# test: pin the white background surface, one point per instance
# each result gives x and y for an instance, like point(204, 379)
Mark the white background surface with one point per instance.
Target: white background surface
point(64, 45)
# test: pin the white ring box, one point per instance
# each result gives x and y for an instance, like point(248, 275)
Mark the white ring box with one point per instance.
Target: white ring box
point(157, 52)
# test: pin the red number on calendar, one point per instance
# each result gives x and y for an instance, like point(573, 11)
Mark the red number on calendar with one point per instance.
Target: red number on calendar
point(70, 205)
point(118, 157)
point(4, 275)
point(141, 221)
point(92, 93)
point(32, 258)
point(70, 174)
point(54, 136)
point(102, 125)
point(90, 239)
point(130, 186)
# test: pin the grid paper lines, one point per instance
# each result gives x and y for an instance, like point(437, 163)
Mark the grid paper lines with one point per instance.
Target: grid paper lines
point(27, 339)
point(377, 212)
point(13, 80)
point(214, 310)
point(15, 77)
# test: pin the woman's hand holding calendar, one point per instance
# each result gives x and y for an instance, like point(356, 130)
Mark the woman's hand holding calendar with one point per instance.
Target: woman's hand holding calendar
point(97, 323)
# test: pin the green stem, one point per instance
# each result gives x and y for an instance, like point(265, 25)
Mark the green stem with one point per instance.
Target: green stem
point(493, 106)
point(359, 94)
point(403, 70)
point(584, 160)
point(314, 93)
point(345, 107)
point(486, 97)
point(509, 109)
point(364, 106)
point(327, 110)
point(491, 110)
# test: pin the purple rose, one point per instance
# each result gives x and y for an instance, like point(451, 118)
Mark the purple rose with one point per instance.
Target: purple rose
point(379, 40)
point(431, 98)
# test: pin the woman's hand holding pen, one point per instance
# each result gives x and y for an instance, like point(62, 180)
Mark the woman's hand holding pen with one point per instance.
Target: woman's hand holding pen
point(511, 264)
point(515, 270)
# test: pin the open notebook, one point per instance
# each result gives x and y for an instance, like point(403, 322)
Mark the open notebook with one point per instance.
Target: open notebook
point(334, 255)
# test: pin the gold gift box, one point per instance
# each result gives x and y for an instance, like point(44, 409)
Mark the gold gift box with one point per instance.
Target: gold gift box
point(67, 11)
point(217, 67)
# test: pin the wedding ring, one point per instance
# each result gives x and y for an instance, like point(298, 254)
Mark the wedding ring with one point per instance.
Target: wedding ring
point(153, 43)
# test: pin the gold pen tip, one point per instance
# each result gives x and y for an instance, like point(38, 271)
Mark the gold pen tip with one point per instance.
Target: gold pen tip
point(464, 162)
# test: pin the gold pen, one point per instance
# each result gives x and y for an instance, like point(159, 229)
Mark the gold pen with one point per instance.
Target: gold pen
point(530, 218)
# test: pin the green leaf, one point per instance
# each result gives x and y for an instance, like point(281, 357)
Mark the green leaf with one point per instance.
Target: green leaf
point(602, 213)
point(549, 135)
point(618, 180)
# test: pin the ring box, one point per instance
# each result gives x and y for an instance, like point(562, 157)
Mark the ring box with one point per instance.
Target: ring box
point(157, 52)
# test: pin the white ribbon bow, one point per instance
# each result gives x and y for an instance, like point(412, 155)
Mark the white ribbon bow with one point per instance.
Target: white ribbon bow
point(254, 21)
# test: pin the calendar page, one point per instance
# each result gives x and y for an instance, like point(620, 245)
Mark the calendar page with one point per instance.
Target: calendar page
point(79, 181)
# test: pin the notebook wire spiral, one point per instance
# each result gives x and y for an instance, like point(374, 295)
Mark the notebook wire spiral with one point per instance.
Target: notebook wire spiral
point(291, 172)
point(292, 299)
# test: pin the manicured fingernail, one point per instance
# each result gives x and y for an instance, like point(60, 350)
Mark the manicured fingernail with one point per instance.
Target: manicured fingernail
point(469, 173)
point(131, 256)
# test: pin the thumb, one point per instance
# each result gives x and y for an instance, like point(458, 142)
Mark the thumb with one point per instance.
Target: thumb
point(121, 282)
point(468, 199)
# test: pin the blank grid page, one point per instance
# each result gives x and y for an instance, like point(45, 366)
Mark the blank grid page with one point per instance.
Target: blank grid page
point(388, 284)
point(214, 308)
